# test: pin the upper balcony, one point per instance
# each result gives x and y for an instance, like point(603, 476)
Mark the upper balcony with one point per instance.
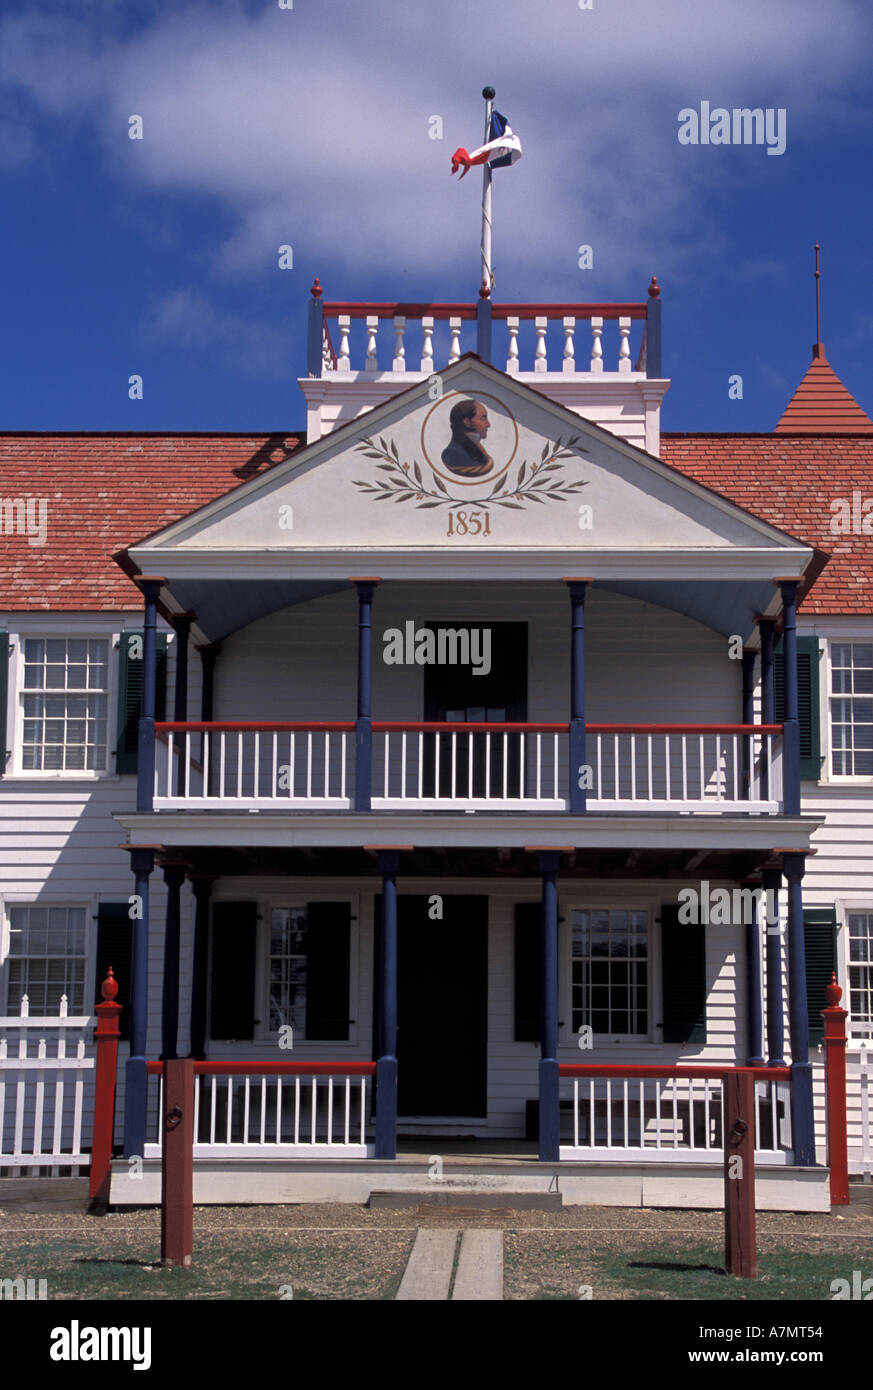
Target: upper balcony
point(602, 361)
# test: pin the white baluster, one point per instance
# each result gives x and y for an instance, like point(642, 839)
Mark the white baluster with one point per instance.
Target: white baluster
point(372, 329)
point(540, 360)
point(512, 355)
point(569, 346)
point(427, 345)
point(455, 348)
point(624, 358)
point(344, 324)
point(399, 349)
point(596, 346)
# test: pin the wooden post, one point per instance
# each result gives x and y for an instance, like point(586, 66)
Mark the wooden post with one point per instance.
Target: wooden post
point(738, 1090)
point(835, 1087)
point(177, 1163)
point(106, 1040)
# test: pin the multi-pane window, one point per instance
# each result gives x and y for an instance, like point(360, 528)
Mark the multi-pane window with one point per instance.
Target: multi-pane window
point(288, 969)
point(64, 703)
point(852, 709)
point(861, 972)
point(46, 958)
point(610, 970)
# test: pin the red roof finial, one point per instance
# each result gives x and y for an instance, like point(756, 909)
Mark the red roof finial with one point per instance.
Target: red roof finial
point(109, 988)
point(654, 288)
point(316, 289)
point(818, 345)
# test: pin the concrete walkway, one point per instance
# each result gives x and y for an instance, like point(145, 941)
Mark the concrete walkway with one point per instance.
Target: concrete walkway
point(479, 1274)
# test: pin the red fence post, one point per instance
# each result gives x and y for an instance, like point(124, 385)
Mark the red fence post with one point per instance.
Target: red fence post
point(835, 1089)
point(177, 1163)
point(106, 1040)
point(738, 1091)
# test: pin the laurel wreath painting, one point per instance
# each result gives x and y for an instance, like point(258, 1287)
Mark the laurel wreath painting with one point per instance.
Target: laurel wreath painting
point(534, 482)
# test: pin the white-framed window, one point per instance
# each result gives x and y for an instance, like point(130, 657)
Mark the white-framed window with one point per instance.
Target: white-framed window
point(64, 702)
point(851, 708)
point(47, 957)
point(287, 969)
point(859, 948)
point(610, 954)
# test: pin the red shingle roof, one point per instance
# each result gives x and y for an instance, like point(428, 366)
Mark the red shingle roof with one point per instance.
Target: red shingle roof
point(104, 492)
point(795, 482)
point(822, 404)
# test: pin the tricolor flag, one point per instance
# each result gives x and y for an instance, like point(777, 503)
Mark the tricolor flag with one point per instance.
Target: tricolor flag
point(502, 148)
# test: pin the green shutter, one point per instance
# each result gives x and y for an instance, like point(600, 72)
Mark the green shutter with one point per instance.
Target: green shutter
point(130, 697)
point(328, 963)
point(4, 694)
point(683, 966)
point(115, 948)
point(234, 937)
point(528, 971)
point(820, 952)
point(807, 702)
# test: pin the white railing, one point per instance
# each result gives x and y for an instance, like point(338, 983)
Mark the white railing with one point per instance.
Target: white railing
point(707, 768)
point(223, 766)
point(374, 338)
point(442, 766)
point(277, 1110)
point(626, 1118)
point(43, 1102)
point(469, 766)
point(859, 1075)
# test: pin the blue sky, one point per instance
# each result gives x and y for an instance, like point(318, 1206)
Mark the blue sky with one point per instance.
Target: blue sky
point(264, 126)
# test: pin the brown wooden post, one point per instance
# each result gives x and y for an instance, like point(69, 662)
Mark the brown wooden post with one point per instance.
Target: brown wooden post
point(835, 1086)
point(106, 1041)
point(177, 1163)
point(738, 1090)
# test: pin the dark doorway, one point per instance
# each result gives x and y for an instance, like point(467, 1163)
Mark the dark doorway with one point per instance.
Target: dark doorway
point(442, 1005)
point(455, 694)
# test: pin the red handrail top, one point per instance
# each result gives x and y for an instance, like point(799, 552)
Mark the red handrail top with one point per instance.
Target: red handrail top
point(436, 726)
point(683, 728)
point(298, 726)
point(252, 1068)
point(710, 1073)
point(388, 309)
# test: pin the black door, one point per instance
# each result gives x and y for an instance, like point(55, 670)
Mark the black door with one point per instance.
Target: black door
point(442, 1005)
point(454, 694)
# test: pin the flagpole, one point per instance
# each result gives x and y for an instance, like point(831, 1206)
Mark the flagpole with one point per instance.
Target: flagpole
point(487, 274)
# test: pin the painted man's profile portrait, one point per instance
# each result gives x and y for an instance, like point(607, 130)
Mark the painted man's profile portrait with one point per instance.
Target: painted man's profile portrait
point(464, 454)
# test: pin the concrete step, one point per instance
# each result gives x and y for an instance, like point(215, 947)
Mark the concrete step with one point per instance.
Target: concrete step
point(466, 1198)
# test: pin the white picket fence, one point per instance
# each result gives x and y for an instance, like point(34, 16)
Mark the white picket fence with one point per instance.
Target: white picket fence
point(859, 1078)
point(46, 1092)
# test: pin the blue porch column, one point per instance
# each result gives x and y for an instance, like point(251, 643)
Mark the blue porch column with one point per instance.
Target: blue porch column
point(209, 654)
point(174, 877)
point(772, 880)
point(315, 334)
point(483, 324)
point(201, 885)
point(748, 717)
point(791, 734)
point(142, 862)
point(653, 330)
point(754, 994)
point(802, 1117)
point(578, 769)
point(549, 1107)
point(766, 627)
point(145, 767)
point(386, 1064)
point(182, 626)
point(365, 585)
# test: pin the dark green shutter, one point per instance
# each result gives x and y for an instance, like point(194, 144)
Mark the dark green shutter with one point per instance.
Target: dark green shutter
point(234, 936)
point(328, 962)
point(130, 697)
point(820, 943)
point(528, 971)
point(4, 694)
point(807, 702)
point(115, 948)
point(683, 965)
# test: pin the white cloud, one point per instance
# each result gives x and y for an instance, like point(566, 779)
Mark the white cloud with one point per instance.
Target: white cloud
point(309, 126)
point(186, 319)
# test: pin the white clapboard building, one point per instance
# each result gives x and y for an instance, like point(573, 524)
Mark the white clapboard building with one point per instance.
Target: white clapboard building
point(418, 775)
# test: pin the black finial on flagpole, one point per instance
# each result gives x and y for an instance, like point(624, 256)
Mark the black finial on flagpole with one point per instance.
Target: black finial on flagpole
point(489, 93)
